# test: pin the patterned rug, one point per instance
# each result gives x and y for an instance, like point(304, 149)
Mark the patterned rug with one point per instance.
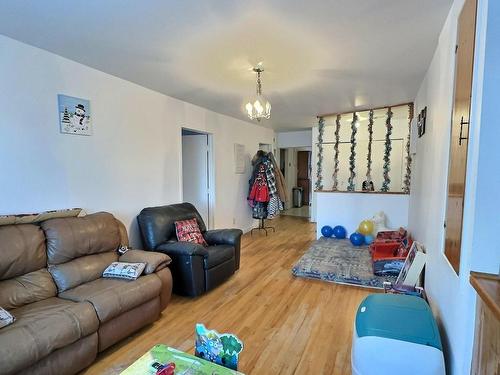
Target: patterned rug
point(339, 262)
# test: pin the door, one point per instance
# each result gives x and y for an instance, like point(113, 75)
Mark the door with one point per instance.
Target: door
point(459, 132)
point(303, 174)
point(195, 172)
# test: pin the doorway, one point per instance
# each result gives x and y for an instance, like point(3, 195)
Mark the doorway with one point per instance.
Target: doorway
point(295, 163)
point(304, 175)
point(198, 173)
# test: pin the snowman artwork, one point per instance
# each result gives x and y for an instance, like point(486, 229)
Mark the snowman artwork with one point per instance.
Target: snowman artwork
point(74, 114)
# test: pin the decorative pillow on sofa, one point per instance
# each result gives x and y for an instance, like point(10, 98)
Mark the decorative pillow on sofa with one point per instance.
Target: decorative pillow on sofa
point(189, 231)
point(5, 318)
point(123, 270)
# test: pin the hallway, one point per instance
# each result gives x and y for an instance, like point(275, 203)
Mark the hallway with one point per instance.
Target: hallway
point(303, 211)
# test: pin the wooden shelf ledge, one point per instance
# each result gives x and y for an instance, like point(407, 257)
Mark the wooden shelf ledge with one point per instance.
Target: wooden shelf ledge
point(362, 192)
point(487, 287)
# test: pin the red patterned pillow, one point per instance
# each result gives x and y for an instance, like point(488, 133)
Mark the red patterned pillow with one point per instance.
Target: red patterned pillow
point(189, 231)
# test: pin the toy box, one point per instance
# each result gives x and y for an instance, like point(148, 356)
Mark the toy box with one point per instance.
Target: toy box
point(396, 334)
point(388, 255)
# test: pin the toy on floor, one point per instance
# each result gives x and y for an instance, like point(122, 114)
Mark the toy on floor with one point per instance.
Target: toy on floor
point(222, 349)
point(369, 239)
point(366, 227)
point(357, 239)
point(339, 232)
point(393, 288)
point(379, 221)
point(168, 369)
point(327, 231)
point(389, 251)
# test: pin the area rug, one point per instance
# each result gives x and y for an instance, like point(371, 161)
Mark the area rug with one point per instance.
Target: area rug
point(338, 261)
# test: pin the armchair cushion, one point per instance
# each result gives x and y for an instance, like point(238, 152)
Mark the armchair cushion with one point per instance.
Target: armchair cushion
point(218, 254)
point(189, 231)
point(223, 236)
point(182, 248)
point(154, 261)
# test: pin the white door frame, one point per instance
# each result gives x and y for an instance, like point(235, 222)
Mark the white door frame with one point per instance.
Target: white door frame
point(210, 171)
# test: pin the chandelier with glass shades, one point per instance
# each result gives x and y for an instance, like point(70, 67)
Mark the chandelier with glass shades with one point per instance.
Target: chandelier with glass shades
point(258, 107)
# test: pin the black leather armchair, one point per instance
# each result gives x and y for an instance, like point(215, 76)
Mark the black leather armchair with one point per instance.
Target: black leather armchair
point(195, 268)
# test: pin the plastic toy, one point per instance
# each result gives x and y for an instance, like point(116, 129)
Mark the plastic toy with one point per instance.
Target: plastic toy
point(366, 227)
point(357, 239)
point(222, 349)
point(339, 232)
point(389, 251)
point(369, 239)
point(327, 231)
point(168, 369)
point(379, 220)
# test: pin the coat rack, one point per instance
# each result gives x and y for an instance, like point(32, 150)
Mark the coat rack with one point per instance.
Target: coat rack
point(262, 226)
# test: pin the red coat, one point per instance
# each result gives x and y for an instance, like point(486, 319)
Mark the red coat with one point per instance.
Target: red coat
point(259, 191)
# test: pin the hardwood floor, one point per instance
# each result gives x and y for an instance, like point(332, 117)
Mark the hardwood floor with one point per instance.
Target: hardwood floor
point(288, 325)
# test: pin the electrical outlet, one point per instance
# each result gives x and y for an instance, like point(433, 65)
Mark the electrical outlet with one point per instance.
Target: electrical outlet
point(234, 220)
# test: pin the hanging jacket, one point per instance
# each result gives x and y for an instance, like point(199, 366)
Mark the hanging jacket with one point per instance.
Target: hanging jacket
point(280, 179)
point(259, 191)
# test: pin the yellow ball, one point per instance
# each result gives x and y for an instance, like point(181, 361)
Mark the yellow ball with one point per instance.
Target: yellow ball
point(366, 227)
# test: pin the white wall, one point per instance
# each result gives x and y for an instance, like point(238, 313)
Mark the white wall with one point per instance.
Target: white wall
point(133, 160)
point(195, 174)
point(485, 248)
point(314, 171)
point(451, 296)
point(290, 174)
point(349, 209)
point(300, 138)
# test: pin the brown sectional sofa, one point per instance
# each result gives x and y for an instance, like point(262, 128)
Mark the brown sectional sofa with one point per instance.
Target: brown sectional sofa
point(50, 281)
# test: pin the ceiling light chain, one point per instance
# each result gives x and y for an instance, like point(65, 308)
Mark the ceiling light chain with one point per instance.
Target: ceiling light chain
point(259, 83)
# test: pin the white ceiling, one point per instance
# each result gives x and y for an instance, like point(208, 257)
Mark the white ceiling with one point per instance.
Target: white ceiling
point(320, 56)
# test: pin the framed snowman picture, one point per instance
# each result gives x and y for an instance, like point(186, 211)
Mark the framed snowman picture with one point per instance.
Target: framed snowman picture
point(74, 115)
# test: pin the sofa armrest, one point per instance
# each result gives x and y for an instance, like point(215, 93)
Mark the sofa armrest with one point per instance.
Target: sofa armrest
point(223, 236)
point(182, 248)
point(154, 261)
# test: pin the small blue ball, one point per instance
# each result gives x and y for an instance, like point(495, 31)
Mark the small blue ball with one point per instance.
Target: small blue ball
point(369, 239)
point(327, 231)
point(339, 232)
point(357, 239)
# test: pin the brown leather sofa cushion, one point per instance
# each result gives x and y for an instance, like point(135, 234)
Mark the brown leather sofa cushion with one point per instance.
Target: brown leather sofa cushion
point(22, 250)
point(31, 287)
point(68, 360)
point(41, 328)
point(112, 297)
point(69, 238)
point(154, 261)
point(81, 270)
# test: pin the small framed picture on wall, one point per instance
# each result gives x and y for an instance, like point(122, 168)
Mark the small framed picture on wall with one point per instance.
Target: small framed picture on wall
point(74, 115)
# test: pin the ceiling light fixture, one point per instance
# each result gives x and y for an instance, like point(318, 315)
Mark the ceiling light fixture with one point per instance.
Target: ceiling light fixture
point(258, 107)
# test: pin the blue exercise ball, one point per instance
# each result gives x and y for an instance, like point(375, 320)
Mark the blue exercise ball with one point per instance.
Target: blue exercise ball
point(339, 232)
point(327, 231)
point(369, 239)
point(357, 239)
